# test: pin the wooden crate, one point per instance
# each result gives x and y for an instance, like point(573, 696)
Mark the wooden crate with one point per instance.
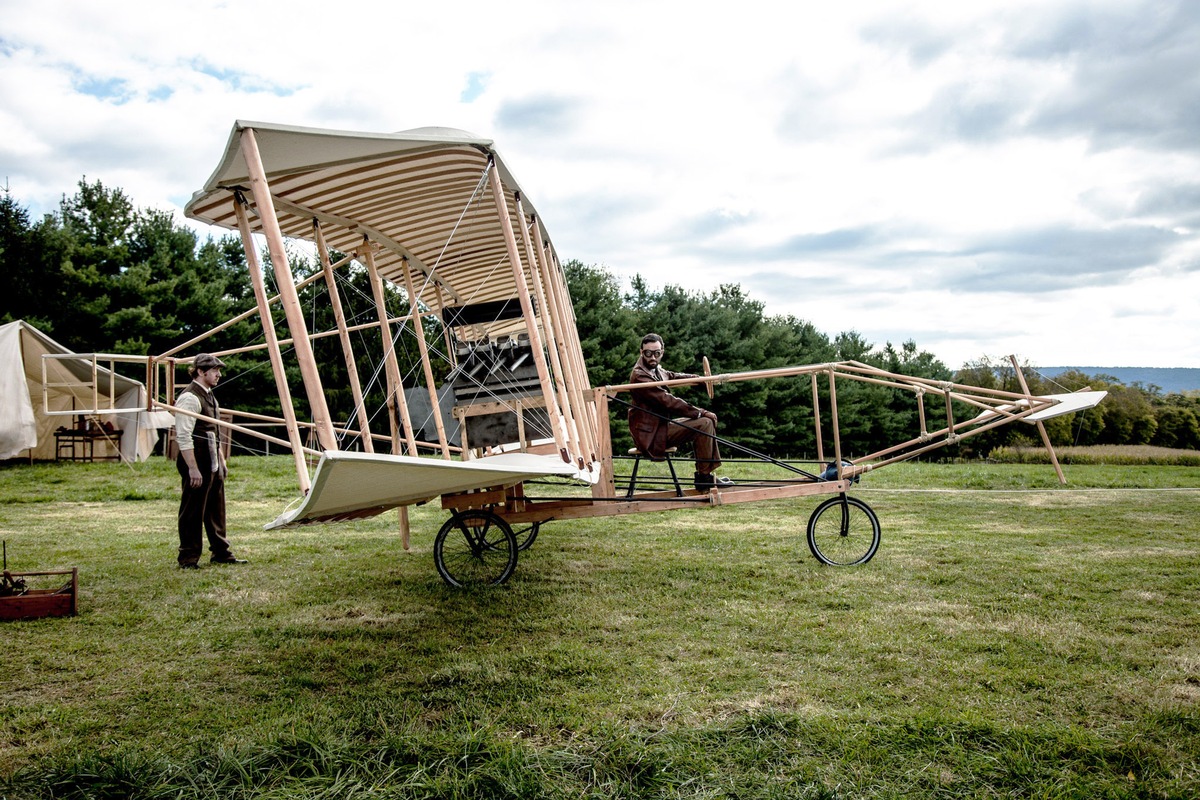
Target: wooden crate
point(38, 603)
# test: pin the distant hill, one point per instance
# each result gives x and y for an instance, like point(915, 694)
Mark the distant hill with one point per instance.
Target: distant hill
point(1169, 379)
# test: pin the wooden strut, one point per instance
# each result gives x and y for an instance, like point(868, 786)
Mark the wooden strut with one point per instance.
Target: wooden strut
point(817, 418)
point(94, 360)
point(339, 315)
point(537, 509)
point(312, 337)
point(549, 316)
point(862, 373)
point(535, 339)
point(276, 358)
point(447, 336)
point(248, 432)
point(546, 318)
point(833, 417)
point(272, 300)
point(340, 431)
point(1041, 428)
point(396, 399)
point(423, 347)
point(921, 413)
point(571, 353)
point(606, 486)
point(570, 331)
point(287, 290)
point(856, 371)
point(952, 436)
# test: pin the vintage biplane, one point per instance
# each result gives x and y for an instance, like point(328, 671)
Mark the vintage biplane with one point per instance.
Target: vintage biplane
point(435, 214)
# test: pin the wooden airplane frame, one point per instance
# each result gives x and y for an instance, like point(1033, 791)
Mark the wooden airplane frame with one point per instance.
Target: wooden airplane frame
point(436, 215)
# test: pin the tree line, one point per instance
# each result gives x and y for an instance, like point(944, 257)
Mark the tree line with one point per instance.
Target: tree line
point(101, 275)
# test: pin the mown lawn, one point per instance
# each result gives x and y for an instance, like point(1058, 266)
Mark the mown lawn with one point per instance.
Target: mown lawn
point(1012, 638)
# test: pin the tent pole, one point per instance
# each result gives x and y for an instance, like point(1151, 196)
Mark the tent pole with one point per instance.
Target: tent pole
point(339, 315)
point(268, 326)
point(419, 330)
point(535, 339)
point(287, 290)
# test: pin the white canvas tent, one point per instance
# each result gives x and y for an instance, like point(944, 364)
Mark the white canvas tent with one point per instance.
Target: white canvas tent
point(26, 431)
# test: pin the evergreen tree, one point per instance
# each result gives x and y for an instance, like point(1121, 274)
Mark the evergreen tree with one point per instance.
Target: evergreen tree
point(103, 276)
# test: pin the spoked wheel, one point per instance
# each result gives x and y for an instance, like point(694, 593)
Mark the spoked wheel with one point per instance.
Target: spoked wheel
point(843, 531)
point(475, 548)
point(525, 536)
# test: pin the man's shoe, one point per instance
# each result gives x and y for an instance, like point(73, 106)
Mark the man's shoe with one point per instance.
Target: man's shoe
point(705, 482)
point(189, 566)
point(228, 560)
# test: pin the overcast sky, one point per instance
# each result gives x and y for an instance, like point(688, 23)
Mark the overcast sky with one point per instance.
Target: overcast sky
point(981, 177)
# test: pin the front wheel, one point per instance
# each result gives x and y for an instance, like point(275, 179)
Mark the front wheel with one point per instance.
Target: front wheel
point(843, 531)
point(475, 548)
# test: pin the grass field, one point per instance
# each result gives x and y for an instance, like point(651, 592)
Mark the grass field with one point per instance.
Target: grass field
point(1012, 638)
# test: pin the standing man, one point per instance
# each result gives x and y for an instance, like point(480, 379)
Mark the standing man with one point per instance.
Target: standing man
point(200, 465)
point(659, 420)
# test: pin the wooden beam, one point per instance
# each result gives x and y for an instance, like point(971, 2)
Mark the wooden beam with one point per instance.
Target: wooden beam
point(569, 333)
point(312, 337)
point(423, 347)
point(583, 508)
point(302, 451)
point(272, 300)
point(1041, 428)
point(549, 316)
point(567, 342)
point(287, 290)
point(276, 358)
point(396, 399)
point(339, 315)
point(535, 340)
point(833, 416)
point(607, 485)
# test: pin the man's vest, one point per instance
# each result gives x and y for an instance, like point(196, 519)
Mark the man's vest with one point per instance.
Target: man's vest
point(208, 407)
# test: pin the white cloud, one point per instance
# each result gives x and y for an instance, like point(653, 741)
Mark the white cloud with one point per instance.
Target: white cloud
point(980, 177)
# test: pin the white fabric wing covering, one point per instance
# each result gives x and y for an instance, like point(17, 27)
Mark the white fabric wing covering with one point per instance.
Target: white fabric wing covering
point(350, 485)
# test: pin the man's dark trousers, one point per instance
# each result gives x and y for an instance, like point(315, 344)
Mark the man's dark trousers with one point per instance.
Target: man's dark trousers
point(202, 509)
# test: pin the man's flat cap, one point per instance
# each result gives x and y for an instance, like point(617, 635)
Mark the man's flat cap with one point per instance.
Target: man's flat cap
point(207, 361)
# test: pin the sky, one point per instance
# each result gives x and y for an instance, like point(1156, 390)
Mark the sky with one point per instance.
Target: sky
point(982, 178)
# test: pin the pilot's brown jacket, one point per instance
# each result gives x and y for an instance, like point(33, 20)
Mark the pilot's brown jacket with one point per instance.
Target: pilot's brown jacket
point(650, 431)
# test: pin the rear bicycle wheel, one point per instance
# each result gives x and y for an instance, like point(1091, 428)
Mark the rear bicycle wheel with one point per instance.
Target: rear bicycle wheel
point(475, 548)
point(843, 531)
point(525, 536)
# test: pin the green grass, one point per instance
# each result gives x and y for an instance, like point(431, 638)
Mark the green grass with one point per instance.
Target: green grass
point(1012, 638)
